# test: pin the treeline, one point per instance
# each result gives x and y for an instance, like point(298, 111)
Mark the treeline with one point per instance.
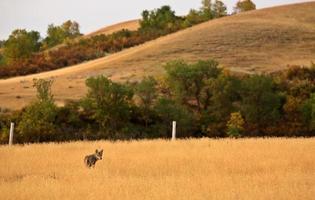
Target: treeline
point(206, 101)
point(26, 53)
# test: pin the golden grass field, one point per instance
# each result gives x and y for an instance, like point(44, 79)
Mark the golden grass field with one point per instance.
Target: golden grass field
point(265, 40)
point(160, 169)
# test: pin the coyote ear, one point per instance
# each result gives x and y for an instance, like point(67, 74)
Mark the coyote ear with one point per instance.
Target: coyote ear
point(96, 151)
point(101, 151)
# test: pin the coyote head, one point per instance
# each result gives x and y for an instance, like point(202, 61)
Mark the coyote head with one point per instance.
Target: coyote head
point(99, 154)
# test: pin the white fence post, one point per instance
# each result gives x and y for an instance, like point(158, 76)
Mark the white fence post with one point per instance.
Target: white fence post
point(11, 134)
point(174, 131)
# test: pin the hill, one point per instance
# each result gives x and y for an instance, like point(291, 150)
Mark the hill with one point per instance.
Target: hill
point(260, 41)
point(131, 25)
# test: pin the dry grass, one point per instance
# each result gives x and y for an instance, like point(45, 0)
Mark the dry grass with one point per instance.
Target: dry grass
point(131, 25)
point(259, 41)
point(188, 169)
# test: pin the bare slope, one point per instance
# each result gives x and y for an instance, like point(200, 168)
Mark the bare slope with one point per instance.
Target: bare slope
point(259, 41)
point(131, 25)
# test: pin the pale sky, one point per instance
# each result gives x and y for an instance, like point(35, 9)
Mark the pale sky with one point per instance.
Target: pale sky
point(91, 14)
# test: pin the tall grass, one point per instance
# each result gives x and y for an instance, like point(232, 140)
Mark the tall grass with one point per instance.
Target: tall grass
point(186, 169)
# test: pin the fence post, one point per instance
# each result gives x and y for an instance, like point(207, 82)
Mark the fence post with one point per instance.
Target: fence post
point(174, 131)
point(11, 134)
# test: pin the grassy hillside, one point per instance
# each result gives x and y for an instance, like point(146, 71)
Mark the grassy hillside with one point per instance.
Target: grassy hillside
point(265, 40)
point(131, 25)
point(188, 169)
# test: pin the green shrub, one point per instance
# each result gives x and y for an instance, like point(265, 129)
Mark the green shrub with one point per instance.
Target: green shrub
point(21, 45)
point(308, 111)
point(37, 120)
point(169, 111)
point(188, 81)
point(261, 103)
point(109, 104)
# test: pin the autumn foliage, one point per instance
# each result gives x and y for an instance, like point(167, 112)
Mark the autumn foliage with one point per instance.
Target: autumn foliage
point(72, 49)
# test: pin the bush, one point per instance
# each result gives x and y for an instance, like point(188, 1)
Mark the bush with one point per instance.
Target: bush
point(146, 94)
point(20, 45)
point(260, 101)
point(235, 125)
point(244, 5)
point(109, 104)
point(188, 81)
point(169, 111)
point(308, 110)
point(37, 120)
point(4, 130)
point(59, 34)
point(69, 122)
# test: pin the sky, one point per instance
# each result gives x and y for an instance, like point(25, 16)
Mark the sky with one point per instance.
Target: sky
point(91, 14)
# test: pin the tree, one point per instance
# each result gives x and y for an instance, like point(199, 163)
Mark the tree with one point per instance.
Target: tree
point(308, 110)
point(162, 19)
point(260, 102)
point(206, 9)
point(244, 5)
point(43, 88)
point(2, 61)
point(235, 125)
point(292, 119)
point(70, 122)
point(37, 121)
point(59, 34)
point(108, 103)
point(219, 95)
point(187, 81)
point(71, 29)
point(206, 4)
point(299, 81)
point(168, 111)
point(21, 45)
point(219, 9)
point(55, 35)
point(193, 17)
point(146, 93)
point(2, 43)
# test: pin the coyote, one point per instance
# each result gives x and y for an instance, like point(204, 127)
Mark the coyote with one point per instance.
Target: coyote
point(90, 160)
